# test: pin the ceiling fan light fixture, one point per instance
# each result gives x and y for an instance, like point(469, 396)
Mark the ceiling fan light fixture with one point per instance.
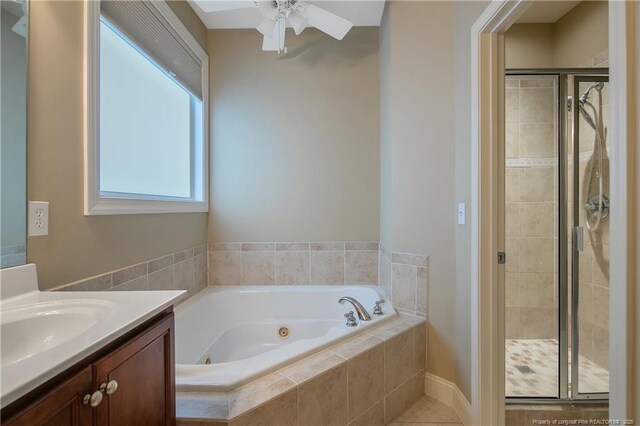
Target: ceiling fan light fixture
point(268, 9)
point(298, 22)
point(267, 27)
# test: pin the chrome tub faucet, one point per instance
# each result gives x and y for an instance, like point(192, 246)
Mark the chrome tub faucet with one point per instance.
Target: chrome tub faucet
point(362, 312)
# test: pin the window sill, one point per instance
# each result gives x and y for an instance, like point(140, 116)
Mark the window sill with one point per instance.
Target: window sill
point(119, 206)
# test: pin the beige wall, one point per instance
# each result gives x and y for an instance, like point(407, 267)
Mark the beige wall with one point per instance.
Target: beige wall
point(294, 138)
point(79, 246)
point(529, 46)
point(418, 156)
point(386, 137)
point(580, 35)
point(466, 14)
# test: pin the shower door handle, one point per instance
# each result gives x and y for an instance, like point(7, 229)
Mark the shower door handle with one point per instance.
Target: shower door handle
point(578, 232)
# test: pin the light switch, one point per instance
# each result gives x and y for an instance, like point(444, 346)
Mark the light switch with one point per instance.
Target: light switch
point(462, 213)
point(38, 218)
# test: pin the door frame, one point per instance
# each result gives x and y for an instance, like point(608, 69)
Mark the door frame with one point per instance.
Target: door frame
point(487, 132)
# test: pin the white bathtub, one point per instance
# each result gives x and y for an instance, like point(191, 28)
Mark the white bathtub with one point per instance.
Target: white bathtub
point(238, 329)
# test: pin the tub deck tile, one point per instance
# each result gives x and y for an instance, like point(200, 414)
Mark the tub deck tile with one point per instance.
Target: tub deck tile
point(312, 366)
point(257, 393)
point(281, 411)
point(412, 319)
point(354, 347)
point(202, 405)
point(390, 329)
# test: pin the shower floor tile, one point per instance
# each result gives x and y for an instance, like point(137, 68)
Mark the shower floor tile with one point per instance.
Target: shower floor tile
point(531, 369)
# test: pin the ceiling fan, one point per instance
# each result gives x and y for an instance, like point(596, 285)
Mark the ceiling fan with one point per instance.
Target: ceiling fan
point(277, 13)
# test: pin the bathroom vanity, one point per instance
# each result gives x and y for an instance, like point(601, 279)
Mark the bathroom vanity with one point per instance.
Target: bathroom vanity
point(128, 382)
point(85, 358)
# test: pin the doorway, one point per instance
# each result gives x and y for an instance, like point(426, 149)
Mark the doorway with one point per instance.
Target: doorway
point(556, 234)
point(488, 321)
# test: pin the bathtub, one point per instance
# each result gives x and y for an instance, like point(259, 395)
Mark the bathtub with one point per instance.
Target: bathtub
point(229, 336)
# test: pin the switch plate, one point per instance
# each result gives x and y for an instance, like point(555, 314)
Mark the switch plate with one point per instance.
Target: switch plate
point(38, 218)
point(462, 213)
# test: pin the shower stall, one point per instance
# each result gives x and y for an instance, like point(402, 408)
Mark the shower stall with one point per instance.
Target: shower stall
point(557, 234)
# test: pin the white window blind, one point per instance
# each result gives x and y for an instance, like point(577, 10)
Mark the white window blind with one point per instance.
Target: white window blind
point(141, 22)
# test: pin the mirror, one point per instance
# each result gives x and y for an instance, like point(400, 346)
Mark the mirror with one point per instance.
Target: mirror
point(13, 134)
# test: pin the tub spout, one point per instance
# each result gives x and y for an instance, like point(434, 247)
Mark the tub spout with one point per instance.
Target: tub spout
point(362, 312)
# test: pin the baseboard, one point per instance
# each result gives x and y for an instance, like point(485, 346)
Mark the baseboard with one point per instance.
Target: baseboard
point(449, 394)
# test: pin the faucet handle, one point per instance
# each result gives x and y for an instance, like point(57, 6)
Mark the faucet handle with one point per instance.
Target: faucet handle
point(377, 309)
point(351, 319)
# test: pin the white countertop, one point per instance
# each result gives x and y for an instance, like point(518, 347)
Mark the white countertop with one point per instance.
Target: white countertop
point(121, 312)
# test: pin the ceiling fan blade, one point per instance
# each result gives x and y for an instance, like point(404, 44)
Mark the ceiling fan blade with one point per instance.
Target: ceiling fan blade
point(298, 22)
point(327, 22)
point(275, 42)
point(221, 6)
point(267, 27)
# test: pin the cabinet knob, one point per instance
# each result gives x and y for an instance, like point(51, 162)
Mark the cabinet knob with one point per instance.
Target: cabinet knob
point(112, 387)
point(93, 399)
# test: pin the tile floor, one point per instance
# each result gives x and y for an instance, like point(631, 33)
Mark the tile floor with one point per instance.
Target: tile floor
point(427, 411)
point(532, 369)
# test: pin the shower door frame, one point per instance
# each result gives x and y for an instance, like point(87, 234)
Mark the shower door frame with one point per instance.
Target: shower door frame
point(575, 267)
point(562, 137)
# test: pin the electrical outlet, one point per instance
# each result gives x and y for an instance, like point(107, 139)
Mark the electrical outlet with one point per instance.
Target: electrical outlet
point(462, 213)
point(38, 218)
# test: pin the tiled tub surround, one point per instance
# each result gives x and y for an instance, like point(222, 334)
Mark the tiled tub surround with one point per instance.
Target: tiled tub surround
point(182, 270)
point(293, 263)
point(405, 277)
point(367, 380)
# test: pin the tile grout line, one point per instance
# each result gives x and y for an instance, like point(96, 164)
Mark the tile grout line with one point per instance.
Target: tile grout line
point(309, 270)
point(275, 266)
point(415, 291)
point(344, 265)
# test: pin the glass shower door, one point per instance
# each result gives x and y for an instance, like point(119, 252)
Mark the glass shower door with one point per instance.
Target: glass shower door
point(590, 240)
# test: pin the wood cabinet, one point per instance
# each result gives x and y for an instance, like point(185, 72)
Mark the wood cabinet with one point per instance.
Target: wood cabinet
point(144, 372)
point(61, 406)
point(131, 382)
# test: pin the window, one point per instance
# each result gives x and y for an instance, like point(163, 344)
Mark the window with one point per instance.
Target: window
point(146, 123)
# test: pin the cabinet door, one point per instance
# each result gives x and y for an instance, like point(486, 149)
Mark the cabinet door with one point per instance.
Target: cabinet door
point(62, 406)
point(143, 375)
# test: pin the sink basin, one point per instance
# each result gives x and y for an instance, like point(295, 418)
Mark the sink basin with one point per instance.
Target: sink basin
point(32, 329)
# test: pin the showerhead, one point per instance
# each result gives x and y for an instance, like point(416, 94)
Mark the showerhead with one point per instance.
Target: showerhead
point(585, 96)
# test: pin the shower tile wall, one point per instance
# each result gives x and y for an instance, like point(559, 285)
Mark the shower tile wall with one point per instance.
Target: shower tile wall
point(531, 208)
